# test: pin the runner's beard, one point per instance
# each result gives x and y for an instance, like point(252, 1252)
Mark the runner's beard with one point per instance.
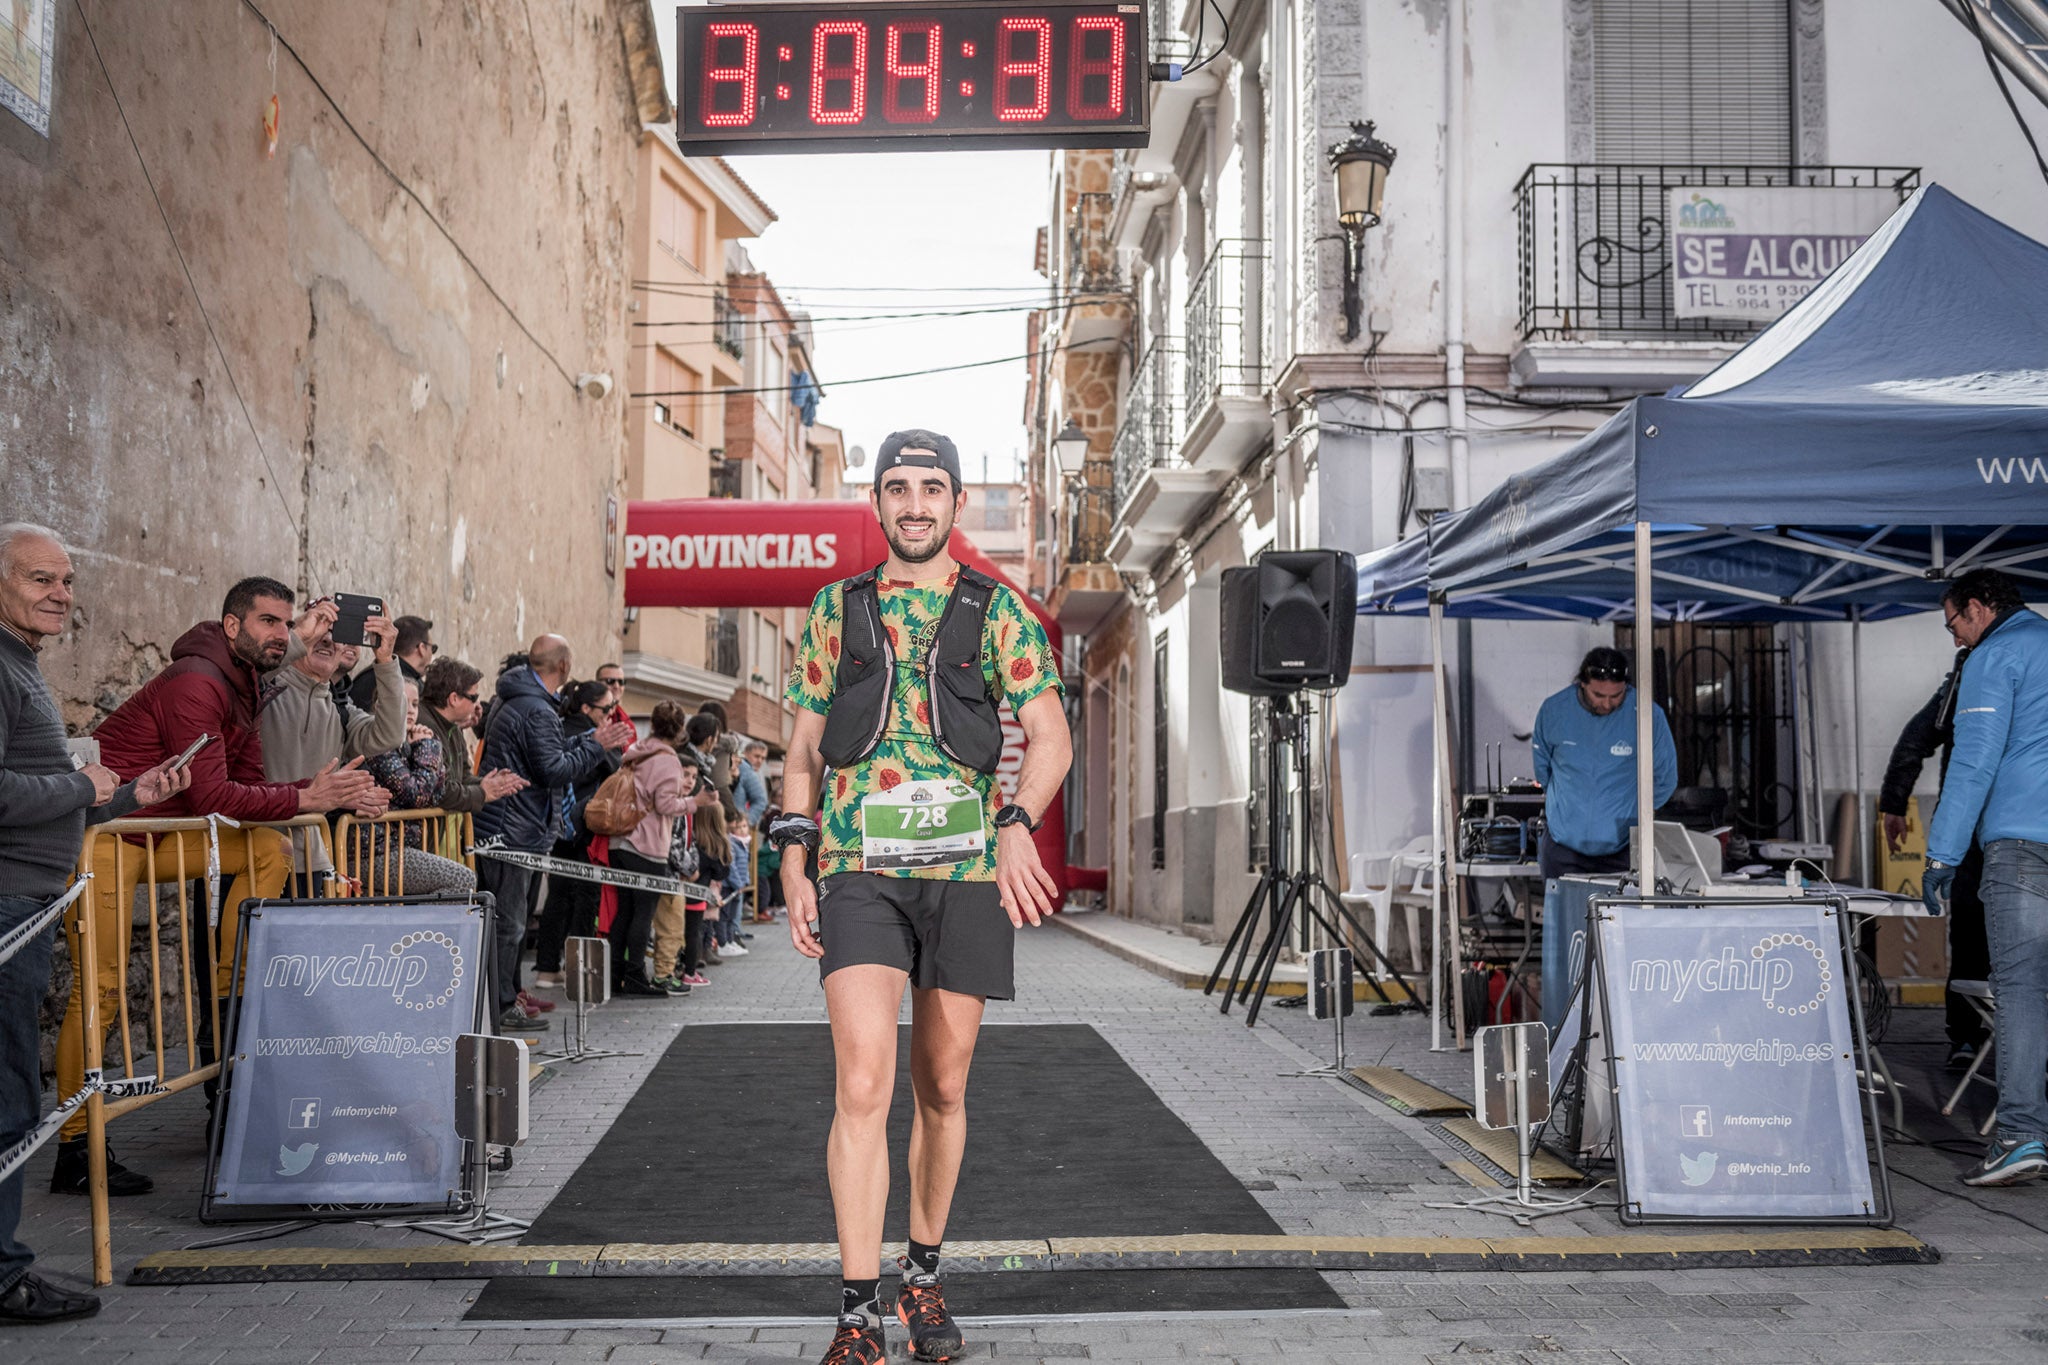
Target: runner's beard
point(942, 535)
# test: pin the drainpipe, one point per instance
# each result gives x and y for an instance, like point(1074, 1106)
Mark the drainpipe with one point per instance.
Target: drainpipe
point(1454, 251)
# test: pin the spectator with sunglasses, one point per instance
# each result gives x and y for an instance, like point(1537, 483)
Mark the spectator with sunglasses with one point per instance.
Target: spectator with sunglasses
point(449, 704)
point(1585, 751)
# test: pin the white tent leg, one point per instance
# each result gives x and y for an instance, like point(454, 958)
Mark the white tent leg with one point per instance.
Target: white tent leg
point(1863, 865)
point(1438, 898)
point(1646, 794)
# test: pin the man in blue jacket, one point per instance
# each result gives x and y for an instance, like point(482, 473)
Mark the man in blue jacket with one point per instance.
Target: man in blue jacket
point(1997, 789)
point(525, 735)
point(1585, 751)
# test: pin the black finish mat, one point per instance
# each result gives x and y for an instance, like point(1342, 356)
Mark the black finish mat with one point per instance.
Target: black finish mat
point(725, 1142)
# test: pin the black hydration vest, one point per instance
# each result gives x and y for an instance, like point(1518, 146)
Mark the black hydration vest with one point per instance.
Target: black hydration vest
point(964, 719)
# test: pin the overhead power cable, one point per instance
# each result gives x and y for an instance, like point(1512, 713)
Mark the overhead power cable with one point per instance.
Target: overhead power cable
point(862, 317)
point(204, 316)
point(878, 378)
point(411, 194)
point(877, 288)
point(1998, 74)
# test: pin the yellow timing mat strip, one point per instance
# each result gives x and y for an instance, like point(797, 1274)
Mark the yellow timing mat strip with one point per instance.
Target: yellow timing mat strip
point(1627, 1251)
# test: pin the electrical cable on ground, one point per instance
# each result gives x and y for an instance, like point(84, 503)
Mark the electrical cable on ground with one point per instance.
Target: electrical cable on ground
point(191, 283)
point(411, 194)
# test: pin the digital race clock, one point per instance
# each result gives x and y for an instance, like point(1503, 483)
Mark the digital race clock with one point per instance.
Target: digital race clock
point(888, 76)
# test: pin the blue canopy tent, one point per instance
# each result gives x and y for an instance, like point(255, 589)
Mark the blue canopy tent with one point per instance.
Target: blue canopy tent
point(1886, 434)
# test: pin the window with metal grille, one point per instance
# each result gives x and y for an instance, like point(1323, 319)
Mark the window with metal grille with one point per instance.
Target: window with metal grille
point(1159, 743)
point(1692, 81)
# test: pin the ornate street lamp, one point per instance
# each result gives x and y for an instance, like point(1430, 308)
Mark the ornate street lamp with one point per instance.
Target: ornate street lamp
point(1361, 163)
point(1071, 446)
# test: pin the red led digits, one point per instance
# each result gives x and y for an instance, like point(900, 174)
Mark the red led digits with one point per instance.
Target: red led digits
point(854, 71)
point(1011, 35)
point(900, 73)
point(722, 79)
point(1080, 66)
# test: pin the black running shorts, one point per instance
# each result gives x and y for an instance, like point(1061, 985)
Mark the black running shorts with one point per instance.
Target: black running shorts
point(950, 936)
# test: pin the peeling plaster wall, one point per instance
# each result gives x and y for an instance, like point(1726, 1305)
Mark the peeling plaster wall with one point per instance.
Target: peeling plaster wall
point(414, 442)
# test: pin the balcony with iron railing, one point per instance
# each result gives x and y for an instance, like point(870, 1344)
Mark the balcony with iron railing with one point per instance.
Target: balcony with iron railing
point(728, 325)
point(722, 644)
point(1224, 374)
point(1086, 513)
point(1593, 248)
point(1149, 435)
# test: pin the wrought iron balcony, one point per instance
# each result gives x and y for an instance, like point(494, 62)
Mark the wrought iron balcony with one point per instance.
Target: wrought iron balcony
point(722, 643)
point(728, 325)
point(1086, 514)
point(1153, 421)
point(1091, 256)
point(1223, 325)
point(1594, 250)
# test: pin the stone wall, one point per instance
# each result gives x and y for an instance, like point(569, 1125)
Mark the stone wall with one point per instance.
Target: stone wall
point(366, 384)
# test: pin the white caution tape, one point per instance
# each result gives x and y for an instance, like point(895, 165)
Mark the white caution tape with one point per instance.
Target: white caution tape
point(607, 876)
point(214, 886)
point(127, 1087)
point(23, 934)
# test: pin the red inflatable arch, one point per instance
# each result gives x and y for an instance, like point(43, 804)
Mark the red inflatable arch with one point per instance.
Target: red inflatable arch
point(721, 552)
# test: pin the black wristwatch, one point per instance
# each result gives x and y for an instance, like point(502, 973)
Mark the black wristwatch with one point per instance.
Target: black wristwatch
point(1014, 814)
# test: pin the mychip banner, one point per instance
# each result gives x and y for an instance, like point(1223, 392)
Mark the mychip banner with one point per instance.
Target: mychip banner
point(1734, 1061)
point(342, 1081)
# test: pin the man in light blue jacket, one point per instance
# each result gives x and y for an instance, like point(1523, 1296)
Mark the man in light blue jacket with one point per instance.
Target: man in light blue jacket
point(1997, 789)
point(1585, 751)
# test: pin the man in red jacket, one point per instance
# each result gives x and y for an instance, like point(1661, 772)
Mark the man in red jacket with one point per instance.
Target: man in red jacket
point(210, 688)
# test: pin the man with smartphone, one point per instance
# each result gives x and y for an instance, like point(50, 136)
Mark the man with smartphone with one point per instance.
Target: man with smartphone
point(45, 806)
point(305, 729)
point(211, 687)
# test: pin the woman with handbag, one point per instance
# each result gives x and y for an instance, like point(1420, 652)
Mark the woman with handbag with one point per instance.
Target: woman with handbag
point(659, 796)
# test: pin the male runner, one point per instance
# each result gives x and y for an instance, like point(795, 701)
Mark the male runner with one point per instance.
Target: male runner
point(923, 878)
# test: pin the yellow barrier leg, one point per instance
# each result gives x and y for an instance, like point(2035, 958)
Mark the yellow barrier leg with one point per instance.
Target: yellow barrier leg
point(95, 1112)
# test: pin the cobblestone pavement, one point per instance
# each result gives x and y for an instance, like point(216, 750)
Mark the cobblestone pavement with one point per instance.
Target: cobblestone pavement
point(1322, 1157)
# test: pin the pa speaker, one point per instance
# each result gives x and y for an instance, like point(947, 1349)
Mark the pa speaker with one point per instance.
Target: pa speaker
point(1287, 621)
point(1238, 608)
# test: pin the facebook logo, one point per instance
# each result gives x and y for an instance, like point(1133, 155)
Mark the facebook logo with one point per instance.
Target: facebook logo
point(303, 1114)
point(1695, 1120)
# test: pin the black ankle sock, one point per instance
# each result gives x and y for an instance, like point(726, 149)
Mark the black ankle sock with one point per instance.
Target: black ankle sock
point(925, 1258)
point(863, 1297)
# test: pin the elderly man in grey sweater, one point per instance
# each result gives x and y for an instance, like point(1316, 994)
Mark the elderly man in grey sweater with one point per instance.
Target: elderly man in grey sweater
point(305, 729)
point(45, 805)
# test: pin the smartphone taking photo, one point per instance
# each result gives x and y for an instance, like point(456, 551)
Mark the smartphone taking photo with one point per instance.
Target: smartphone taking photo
point(353, 610)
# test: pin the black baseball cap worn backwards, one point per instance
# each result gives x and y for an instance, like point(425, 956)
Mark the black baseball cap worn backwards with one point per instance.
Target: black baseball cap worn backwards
point(909, 447)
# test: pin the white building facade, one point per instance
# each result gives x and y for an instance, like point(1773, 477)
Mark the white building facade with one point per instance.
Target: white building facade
point(1516, 293)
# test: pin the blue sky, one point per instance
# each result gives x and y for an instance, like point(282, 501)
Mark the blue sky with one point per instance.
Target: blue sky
point(862, 234)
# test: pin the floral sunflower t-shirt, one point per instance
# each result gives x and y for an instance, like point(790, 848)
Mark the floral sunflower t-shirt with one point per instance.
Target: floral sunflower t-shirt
point(1016, 662)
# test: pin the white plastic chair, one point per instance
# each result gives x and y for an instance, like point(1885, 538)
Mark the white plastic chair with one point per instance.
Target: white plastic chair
point(1405, 877)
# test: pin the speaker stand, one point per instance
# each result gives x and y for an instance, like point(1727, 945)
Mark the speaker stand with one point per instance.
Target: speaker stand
point(1281, 888)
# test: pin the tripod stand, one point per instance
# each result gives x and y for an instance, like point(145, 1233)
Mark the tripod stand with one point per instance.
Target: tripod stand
point(1282, 888)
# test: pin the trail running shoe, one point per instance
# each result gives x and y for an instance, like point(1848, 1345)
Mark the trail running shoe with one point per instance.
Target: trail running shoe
point(2008, 1161)
point(921, 1304)
point(857, 1342)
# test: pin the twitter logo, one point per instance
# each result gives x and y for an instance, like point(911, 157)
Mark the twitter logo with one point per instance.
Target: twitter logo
point(292, 1160)
point(1698, 1169)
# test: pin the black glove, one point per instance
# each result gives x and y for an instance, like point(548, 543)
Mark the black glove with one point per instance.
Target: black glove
point(785, 830)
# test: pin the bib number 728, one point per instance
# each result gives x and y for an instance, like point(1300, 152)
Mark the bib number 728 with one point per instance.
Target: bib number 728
point(921, 817)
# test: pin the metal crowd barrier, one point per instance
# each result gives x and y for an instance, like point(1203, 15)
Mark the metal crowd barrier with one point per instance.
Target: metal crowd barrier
point(370, 852)
point(178, 865)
